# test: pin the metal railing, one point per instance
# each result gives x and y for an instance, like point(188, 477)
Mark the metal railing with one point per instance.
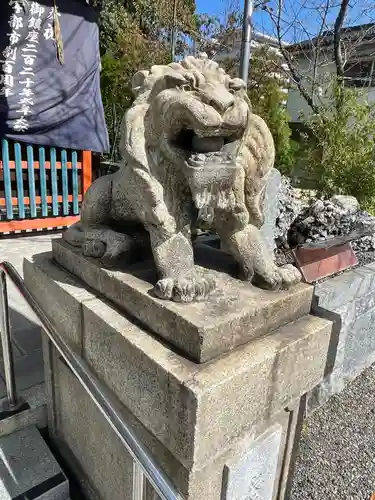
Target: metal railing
point(144, 464)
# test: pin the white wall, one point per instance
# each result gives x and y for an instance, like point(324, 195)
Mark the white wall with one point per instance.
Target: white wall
point(297, 105)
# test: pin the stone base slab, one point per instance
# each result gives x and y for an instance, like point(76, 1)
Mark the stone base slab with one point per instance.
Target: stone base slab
point(28, 469)
point(233, 316)
point(108, 476)
point(196, 411)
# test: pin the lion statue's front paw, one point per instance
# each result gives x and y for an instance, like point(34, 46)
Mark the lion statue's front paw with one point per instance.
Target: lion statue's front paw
point(290, 276)
point(185, 288)
point(277, 278)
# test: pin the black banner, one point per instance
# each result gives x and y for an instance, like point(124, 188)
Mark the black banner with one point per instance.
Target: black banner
point(50, 75)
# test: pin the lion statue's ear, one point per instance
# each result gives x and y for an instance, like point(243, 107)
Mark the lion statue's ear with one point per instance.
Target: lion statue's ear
point(139, 81)
point(169, 80)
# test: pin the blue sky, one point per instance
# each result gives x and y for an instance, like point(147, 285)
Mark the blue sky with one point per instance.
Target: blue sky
point(361, 11)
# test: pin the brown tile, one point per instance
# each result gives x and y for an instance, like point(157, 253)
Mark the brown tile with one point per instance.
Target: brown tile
point(318, 263)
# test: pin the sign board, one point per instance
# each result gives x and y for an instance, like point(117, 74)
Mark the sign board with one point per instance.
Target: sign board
point(46, 99)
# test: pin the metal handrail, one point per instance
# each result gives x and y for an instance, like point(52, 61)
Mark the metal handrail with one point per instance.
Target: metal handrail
point(98, 392)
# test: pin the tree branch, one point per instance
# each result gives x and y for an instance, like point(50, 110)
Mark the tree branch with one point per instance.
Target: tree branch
point(337, 38)
point(288, 58)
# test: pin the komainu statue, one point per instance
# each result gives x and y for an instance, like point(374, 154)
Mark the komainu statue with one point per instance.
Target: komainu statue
point(192, 152)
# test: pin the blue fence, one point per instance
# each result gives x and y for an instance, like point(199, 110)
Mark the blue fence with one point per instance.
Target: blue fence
point(41, 187)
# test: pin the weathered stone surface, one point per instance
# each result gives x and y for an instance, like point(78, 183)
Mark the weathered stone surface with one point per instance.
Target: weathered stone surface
point(110, 473)
point(59, 293)
point(253, 476)
point(36, 415)
point(195, 418)
point(26, 464)
point(351, 298)
point(360, 344)
point(345, 288)
point(209, 152)
point(233, 316)
point(181, 402)
point(271, 209)
point(101, 454)
point(348, 203)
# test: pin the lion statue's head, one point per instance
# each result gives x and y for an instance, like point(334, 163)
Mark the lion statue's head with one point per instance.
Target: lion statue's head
point(197, 117)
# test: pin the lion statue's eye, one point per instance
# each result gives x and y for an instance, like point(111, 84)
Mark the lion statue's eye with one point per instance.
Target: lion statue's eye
point(236, 84)
point(186, 87)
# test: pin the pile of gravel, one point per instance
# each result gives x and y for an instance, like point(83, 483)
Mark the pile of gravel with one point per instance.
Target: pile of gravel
point(325, 219)
point(290, 207)
point(301, 222)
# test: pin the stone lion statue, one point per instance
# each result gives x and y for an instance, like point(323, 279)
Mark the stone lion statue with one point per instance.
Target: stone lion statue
point(192, 152)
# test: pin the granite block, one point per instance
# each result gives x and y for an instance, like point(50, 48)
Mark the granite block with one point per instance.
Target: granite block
point(110, 473)
point(59, 293)
point(182, 402)
point(271, 208)
point(237, 314)
point(360, 344)
point(253, 475)
point(26, 462)
point(346, 287)
point(101, 454)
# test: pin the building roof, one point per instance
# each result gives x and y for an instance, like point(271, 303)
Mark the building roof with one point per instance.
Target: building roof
point(363, 32)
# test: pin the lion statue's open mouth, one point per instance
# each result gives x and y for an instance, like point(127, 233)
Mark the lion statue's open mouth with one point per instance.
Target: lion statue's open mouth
point(210, 166)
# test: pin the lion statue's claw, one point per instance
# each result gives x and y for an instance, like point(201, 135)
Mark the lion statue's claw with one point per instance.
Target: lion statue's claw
point(290, 276)
point(185, 289)
point(278, 278)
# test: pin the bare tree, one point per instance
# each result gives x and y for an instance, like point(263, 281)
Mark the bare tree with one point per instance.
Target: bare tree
point(321, 32)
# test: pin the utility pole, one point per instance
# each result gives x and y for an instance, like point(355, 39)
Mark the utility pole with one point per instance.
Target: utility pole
point(246, 40)
point(174, 31)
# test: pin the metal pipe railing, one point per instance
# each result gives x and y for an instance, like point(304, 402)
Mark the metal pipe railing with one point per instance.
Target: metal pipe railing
point(99, 393)
point(6, 343)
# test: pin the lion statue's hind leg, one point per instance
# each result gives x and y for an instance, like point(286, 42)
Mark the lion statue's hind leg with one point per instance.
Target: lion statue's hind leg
point(93, 233)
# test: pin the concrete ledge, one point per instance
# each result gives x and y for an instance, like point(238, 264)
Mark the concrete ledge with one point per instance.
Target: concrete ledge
point(35, 415)
point(349, 299)
point(59, 293)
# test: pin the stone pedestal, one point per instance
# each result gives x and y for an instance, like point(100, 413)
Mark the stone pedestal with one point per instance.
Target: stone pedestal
point(223, 429)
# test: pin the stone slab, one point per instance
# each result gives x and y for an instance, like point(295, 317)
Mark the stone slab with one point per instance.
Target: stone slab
point(235, 315)
point(36, 415)
point(109, 475)
point(27, 467)
point(101, 455)
point(271, 208)
point(196, 410)
point(346, 287)
point(360, 344)
point(253, 477)
point(63, 298)
point(351, 298)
